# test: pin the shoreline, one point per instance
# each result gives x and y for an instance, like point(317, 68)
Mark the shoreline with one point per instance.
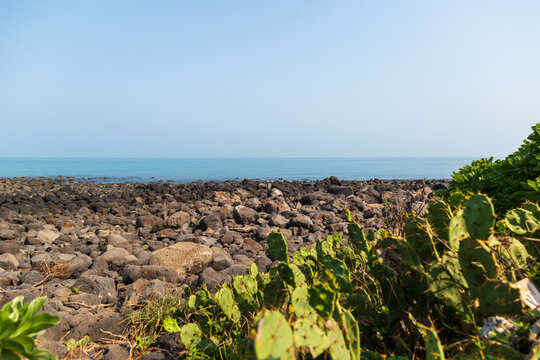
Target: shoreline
point(97, 250)
point(133, 180)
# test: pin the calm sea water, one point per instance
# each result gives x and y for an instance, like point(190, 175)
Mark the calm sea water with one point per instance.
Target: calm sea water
point(219, 169)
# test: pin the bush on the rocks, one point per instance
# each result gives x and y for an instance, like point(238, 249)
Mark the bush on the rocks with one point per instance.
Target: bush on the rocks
point(510, 182)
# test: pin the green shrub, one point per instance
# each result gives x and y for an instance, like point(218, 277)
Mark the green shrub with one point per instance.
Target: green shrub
point(20, 325)
point(510, 182)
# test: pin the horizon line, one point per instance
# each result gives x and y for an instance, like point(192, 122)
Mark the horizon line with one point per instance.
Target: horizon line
point(237, 157)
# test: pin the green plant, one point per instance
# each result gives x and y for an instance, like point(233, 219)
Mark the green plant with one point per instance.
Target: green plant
point(511, 181)
point(20, 325)
point(455, 270)
point(147, 322)
point(72, 343)
point(102, 246)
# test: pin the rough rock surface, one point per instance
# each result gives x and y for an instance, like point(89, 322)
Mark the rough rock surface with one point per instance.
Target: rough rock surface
point(186, 258)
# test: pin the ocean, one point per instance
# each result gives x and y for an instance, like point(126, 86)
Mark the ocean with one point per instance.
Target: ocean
point(183, 170)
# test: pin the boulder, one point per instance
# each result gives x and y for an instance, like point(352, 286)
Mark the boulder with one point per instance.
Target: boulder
point(46, 236)
point(8, 261)
point(9, 246)
point(341, 190)
point(117, 258)
point(244, 215)
point(79, 264)
point(180, 220)
point(114, 352)
point(185, 257)
point(166, 233)
point(118, 241)
point(147, 221)
point(302, 221)
point(317, 196)
point(102, 286)
point(131, 273)
point(279, 221)
point(212, 221)
point(252, 246)
point(212, 278)
point(221, 259)
point(92, 325)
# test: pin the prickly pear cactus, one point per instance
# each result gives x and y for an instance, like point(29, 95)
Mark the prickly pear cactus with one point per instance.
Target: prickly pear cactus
point(357, 237)
point(339, 270)
point(477, 263)
point(351, 332)
point(324, 249)
point(274, 339)
point(419, 235)
point(439, 215)
point(193, 339)
point(533, 208)
point(479, 216)
point(524, 221)
point(446, 282)
point(226, 302)
point(515, 253)
point(203, 297)
point(300, 303)
point(322, 298)
point(171, 325)
point(307, 334)
point(498, 297)
point(278, 246)
point(408, 254)
point(457, 230)
point(434, 349)
point(246, 288)
point(286, 274)
point(338, 347)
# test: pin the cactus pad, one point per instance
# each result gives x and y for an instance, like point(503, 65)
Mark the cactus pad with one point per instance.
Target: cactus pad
point(439, 215)
point(274, 339)
point(523, 221)
point(420, 236)
point(308, 334)
point(498, 298)
point(434, 349)
point(226, 302)
point(457, 231)
point(278, 246)
point(338, 347)
point(357, 237)
point(300, 303)
point(446, 282)
point(340, 271)
point(479, 216)
point(322, 298)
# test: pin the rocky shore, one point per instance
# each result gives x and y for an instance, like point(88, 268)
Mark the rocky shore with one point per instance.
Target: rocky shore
point(97, 250)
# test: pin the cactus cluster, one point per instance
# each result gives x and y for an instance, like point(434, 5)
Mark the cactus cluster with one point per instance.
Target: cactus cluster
point(347, 300)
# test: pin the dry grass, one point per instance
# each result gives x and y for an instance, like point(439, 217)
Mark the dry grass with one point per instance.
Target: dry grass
point(54, 270)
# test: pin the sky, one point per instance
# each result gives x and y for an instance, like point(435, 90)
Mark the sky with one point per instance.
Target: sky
point(275, 78)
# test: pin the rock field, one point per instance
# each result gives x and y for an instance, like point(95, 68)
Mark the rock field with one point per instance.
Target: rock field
point(97, 250)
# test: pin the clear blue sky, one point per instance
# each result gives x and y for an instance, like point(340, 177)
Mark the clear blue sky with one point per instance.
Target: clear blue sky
point(267, 78)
